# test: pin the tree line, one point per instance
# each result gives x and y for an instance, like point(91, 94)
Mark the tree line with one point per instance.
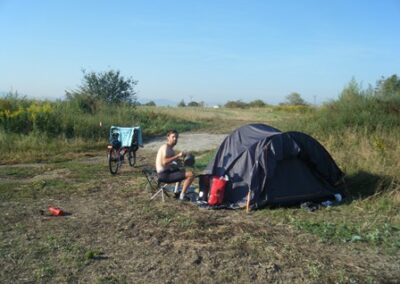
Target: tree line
point(111, 87)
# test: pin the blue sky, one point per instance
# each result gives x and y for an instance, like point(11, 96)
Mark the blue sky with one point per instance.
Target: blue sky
point(211, 51)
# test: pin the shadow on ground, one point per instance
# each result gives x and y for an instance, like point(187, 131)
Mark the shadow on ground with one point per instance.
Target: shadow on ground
point(364, 184)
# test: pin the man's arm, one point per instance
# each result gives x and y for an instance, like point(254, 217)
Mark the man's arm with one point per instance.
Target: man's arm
point(167, 160)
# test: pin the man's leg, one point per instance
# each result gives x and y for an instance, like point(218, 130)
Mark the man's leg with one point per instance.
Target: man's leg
point(189, 177)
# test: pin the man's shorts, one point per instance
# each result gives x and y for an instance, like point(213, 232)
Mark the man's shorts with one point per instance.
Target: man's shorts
point(170, 176)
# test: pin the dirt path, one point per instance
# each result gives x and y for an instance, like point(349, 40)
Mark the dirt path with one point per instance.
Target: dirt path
point(190, 142)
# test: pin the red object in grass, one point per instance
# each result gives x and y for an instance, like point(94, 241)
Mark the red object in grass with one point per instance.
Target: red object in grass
point(55, 211)
point(217, 191)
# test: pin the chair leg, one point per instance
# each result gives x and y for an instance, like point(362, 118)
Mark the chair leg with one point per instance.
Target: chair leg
point(160, 191)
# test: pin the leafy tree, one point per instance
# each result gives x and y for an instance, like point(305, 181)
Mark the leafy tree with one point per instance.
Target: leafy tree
point(257, 103)
point(108, 86)
point(352, 92)
point(295, 99)
point(389, 86)
point(182, 103)
point(193, 104)
point(150, 103)
point(236, 104)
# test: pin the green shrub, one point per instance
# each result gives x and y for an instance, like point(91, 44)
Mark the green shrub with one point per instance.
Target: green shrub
point(15, 120)
point(45, 118)
point(67, 119)
point(355, 108)
point(236, 104)
point(85, 103)
point(13, 115)
point(257, 103)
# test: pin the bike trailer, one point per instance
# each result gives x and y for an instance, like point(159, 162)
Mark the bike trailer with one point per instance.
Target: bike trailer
point(128, 136)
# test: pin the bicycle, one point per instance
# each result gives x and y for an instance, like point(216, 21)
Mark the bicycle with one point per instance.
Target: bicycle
point(123, 140)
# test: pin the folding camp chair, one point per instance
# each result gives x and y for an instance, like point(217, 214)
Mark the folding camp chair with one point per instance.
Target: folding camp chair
point(158, 187)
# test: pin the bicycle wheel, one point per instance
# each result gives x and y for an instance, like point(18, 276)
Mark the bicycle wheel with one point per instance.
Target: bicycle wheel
point(132, 157)
point(113, 161)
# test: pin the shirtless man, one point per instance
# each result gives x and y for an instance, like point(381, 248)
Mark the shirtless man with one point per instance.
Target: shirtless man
point(165, 156)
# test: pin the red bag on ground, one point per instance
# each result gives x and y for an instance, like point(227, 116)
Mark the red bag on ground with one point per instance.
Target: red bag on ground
point(56, 211)
point(217, 191)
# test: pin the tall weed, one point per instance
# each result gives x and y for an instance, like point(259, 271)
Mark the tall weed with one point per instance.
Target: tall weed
point(39, 129)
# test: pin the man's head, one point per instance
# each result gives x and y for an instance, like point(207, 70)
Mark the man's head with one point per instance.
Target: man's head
point(172, 137)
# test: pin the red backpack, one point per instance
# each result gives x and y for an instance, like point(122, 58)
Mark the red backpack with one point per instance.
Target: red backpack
point(217, 191)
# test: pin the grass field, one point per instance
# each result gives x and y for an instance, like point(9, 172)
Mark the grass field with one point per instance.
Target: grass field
point(115, 234)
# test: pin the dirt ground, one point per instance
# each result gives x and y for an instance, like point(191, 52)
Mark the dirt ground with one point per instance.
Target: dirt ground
point(115, 234)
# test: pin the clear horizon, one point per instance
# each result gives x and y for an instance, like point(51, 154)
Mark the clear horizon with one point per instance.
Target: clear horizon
point(211, 51)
